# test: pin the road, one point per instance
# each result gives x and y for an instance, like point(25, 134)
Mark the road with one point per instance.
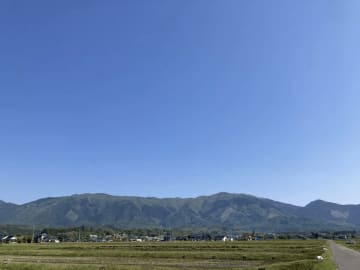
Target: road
point(345, 258)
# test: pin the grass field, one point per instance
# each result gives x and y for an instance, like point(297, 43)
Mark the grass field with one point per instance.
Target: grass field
point(355, 246)
point(273, 255)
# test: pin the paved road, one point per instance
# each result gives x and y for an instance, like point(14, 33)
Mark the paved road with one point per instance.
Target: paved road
point(345, 258)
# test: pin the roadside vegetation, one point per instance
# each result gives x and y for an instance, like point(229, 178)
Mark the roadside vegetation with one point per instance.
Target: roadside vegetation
point(272, 254)
point(354, 244)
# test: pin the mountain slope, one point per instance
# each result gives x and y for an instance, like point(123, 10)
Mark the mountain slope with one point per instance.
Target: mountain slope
point(332, 212)
point(220, 210)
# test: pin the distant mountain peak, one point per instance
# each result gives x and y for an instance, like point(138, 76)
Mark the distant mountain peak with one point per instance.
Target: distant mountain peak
point(316, 202)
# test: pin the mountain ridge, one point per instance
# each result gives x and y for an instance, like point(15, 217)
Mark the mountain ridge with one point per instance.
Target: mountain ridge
point(230, 210)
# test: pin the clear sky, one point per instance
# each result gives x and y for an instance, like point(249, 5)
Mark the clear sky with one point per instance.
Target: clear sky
point(180, 98)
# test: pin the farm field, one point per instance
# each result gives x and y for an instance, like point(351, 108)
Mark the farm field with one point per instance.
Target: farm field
point(273, 255)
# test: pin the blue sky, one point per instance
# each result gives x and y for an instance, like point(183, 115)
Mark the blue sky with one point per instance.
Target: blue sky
point(180, 98)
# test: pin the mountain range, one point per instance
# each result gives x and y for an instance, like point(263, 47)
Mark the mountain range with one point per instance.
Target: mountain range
point(224, 210)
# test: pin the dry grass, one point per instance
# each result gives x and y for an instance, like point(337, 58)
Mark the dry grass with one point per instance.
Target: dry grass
point(164, 255)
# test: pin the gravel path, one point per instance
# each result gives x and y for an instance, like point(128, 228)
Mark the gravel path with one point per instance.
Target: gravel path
point(345, 258)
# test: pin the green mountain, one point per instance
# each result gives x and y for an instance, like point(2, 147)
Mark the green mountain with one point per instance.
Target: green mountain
point(226, 210)
point(342, 215)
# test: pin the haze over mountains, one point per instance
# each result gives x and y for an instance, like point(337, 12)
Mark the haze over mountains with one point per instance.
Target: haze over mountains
point(226, 210)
